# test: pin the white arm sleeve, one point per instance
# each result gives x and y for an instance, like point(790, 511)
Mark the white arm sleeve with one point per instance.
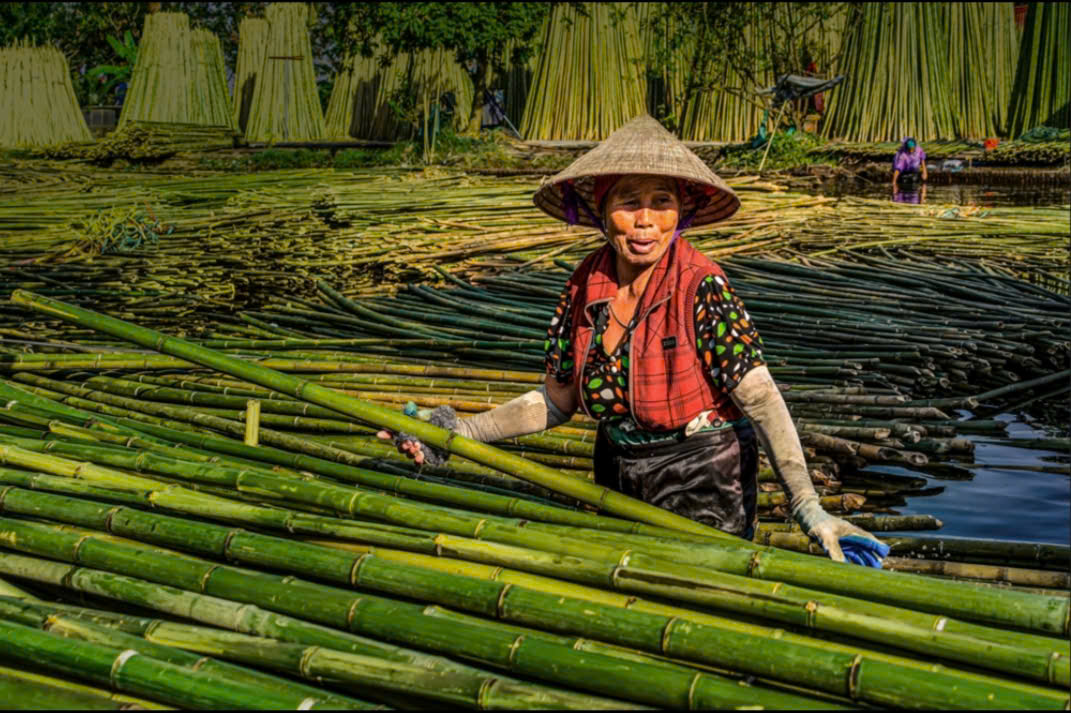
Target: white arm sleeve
point(528, 413)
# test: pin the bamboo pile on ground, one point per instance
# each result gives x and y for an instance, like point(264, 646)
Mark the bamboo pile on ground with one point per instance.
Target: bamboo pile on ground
point(208, 83)
point(37, 103)
point(161, 82)
point(443, 568)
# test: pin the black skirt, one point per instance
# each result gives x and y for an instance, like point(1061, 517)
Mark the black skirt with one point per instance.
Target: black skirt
point(709, 477)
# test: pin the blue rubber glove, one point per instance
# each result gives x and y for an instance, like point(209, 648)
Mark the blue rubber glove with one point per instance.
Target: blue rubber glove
point(843, 541)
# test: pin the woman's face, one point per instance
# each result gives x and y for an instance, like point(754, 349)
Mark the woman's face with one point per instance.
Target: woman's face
point(641, 216)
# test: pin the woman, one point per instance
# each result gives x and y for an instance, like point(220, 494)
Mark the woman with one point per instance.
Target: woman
point(650, 340)
point(909, 162)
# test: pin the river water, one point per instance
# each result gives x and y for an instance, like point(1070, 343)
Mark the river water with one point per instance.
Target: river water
point(995, 503)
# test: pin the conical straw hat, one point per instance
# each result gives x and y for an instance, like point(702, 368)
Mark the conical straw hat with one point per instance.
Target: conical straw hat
point(642, 146)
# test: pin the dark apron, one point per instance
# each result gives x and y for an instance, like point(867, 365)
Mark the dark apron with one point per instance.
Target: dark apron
point(709, 477)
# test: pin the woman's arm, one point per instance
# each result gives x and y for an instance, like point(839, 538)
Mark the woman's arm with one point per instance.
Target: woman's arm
point(537, 410)
point(922, 165)
point(895, 175)
point(759, 398)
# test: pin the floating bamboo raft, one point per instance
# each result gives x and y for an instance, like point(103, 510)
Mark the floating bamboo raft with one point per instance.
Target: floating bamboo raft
point(380, 588)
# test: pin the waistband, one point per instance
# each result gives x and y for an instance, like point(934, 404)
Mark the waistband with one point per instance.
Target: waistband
point(625, 434)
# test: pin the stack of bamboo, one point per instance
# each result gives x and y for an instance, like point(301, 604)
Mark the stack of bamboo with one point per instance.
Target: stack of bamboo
point(252, 47)
point(1042, 91)
point(367, 88)
point(286, 105)
point(211, 105)
point(579, 610)
point(588, 80)
point(161, 83)
point(37, 102)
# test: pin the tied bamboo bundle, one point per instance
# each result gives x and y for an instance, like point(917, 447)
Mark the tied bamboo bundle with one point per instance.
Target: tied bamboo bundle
point(366, 87)
point(588, 81)
point(210, 102)
point(37, 102)
point(899, 82)
point(286, 105)
point(161, 83)
point(1041, 95)
point(971, 55)
point(1002, 53)
point(252, 47)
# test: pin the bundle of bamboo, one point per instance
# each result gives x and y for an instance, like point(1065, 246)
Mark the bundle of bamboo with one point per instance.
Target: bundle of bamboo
point(252, 47)
point(367, 87)
point(208, 83)
point(161, 83)
point(971, 54)
point(588, 80)
point(37, 102)
point(286, 105)
point(1041, 95)
point(899, 81)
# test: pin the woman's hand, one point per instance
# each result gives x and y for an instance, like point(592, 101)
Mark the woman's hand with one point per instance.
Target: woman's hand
point(842, 540)
point(413, 449)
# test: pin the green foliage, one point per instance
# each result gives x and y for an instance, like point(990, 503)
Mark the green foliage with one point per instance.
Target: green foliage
point(128, 52)
point(786, 152)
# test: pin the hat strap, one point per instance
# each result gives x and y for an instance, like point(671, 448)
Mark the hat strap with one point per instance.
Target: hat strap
point(572, 201)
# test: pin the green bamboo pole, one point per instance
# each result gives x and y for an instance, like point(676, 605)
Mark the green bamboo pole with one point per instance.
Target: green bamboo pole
point(531, 656)
point(33, 691)
point(83, 628)
point(1015, 653)
point(130, 671)
point(606, 499)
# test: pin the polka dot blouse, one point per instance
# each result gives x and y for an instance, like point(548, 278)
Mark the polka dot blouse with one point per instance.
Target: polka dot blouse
point(726, 341)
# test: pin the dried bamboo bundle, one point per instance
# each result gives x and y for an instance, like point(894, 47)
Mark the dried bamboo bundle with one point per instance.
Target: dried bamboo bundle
point(252, 47)
point(1041, 95)
point(37, 102)
point(162, 80)
point(589, 80)
point(899, 82)
point(286, 105)
point(972, 66)
point(210, 103)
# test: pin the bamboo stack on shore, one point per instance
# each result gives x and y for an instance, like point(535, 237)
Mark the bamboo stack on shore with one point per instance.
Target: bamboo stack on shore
point(161, 82)
point(37, 102)
point(208, 82)
point(445, 573)
point(252, 47)
point(286, 105)
point(1041, 94)
point(599, 53)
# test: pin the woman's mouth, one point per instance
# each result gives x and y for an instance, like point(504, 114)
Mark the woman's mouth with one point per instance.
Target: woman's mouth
point(642, 246)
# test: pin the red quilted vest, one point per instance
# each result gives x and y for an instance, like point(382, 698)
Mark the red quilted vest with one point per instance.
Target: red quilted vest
point(667, 384)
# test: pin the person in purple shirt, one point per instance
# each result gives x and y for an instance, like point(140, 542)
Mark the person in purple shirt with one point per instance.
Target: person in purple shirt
point(910, 160)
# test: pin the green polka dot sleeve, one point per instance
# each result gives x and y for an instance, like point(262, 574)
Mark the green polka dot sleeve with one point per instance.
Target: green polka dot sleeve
point(729, 345)
point(558, 346)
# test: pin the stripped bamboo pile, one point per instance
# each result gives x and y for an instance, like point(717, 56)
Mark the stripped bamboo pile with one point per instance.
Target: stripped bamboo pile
point(286, 105)
point(37, 102)
point(252, 46)
point(981, 41)
point(403, 578)
point(140, 141)
point(588, 79)
point(161, 82)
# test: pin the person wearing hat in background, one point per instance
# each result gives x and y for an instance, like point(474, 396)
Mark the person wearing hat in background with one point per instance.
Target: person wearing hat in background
point(651, 340)
point(909, 162)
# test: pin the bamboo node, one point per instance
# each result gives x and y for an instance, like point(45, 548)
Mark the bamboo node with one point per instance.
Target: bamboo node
point(306, 657)
point(502, 600)
point(352, 612)
point(479, 526)
point(78, 546)
point(108, 518)
point(205, 577)
point(200, 662)
point(753, 563)
point(3, 494)
point(666, 631)
point(513, 649)
point(355, 575)
point(1050, 674)
point(691, 690)
point(853, 676)
point(120, 660)
point(939, 625)
point(482, 694)
point(227, 543)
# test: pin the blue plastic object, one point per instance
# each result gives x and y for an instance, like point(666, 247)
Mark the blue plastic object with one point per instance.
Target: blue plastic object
point(863, 550)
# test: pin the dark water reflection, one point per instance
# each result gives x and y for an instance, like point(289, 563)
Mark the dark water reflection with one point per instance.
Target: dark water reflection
point(956, 194)
point(996, 503)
